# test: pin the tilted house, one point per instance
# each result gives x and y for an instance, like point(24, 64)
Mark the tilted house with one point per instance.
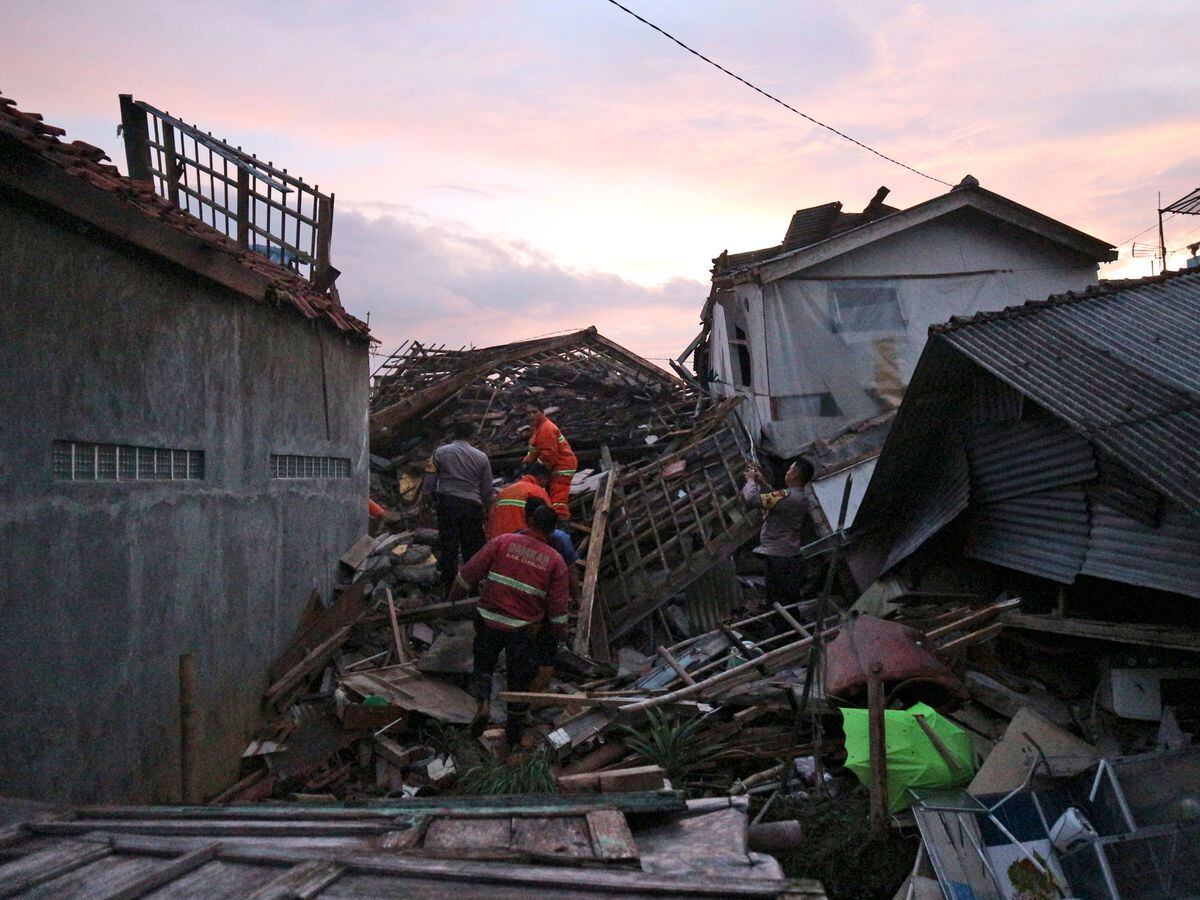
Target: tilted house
point(823, 331)
point(1060, 439)
point(184, 459)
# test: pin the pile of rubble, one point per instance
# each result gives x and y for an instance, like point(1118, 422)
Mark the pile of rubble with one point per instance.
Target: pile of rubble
point(936, 699)
point(597, 392)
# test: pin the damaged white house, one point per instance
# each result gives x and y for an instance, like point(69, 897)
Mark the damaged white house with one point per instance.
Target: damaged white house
point(823, 331)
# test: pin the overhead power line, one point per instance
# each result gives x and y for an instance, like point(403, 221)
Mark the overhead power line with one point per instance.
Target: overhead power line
point(769, 96)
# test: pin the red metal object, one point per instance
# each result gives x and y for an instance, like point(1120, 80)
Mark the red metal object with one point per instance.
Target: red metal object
point(864, 641)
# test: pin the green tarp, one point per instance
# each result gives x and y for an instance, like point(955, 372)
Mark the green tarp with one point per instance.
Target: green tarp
point(912, 758)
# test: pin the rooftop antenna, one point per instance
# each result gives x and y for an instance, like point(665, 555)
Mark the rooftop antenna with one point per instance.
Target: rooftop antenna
point(1187, 205)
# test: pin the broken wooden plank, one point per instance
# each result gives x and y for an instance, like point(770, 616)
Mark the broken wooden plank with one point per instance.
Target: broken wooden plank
point(303, 880)
point(361, 549)
point(46, 865)
point(449, 833)
point(316, 658)
point(393, 752)
point(1004, 700)
point(161, 875)
point(1166, 637)
point(637, 778)
point(975, 637)
point(671, 661)
point(556, 836)
point(587, 597)
point(407, 688)
point(973, 618)
point(403, 654)
point(349, 607)
point(611, 837)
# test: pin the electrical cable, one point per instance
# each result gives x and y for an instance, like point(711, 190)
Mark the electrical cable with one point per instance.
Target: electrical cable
point(787, 106)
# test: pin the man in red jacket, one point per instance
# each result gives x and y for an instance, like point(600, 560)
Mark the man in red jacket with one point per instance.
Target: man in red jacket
point(548, 446)
point(523, 589)
point(508, 510)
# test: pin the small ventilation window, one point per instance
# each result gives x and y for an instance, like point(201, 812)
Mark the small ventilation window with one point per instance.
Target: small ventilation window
point(84, 461)
point(290, 465)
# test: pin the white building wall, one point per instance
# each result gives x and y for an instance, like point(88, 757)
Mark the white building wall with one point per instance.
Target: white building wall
point(806, 360)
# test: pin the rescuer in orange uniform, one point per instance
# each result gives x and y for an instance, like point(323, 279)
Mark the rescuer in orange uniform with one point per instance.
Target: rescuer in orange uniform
point(548, 446)
point(508, 510)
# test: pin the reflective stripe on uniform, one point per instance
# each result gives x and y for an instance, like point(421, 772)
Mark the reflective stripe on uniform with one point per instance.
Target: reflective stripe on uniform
point(503, 619)
point(564, 472)
point(561, 439)
point(510, 502)
point(558, 620)
point(513, 583)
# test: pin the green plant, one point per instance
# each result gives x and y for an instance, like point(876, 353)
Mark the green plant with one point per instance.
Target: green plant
point(489, 776)
point(673, 744)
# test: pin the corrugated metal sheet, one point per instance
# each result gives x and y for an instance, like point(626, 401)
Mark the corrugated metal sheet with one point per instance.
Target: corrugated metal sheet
point(1118, 364)
point(1118, 488)
point(992, 402)
point(1166, 558)
point(946, 493)
point(1045, 533)
point(1024, 457)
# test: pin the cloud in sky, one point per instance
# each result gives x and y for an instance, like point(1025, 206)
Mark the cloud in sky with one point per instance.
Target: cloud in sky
point(438, 282)
point(582, 148)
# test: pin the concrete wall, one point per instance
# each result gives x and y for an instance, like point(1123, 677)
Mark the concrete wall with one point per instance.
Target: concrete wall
point(798, 350)
point(104, 584)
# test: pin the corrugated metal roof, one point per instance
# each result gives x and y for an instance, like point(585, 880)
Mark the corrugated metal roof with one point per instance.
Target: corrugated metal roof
point(1117, 363)
point(1025, 457)
point(1166, 557)
point(946, 495)
point(1045, 533)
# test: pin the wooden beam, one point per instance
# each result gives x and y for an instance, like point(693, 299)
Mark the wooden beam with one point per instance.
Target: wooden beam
point(675, 666)
point(587, 596)
point(975, 637)
point(316, 658)
point(303, 880)
point(515, 875)
point(1166, 637)
point(403, 653)
point(149, 881)
point(972, 619)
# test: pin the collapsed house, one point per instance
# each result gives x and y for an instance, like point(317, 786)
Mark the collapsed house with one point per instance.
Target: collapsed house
point(657, 492)
point(823, 331)
point(1057, 438)
point(183, 450)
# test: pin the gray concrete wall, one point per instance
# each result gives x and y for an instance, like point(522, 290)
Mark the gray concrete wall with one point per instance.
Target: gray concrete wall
point(104, 584)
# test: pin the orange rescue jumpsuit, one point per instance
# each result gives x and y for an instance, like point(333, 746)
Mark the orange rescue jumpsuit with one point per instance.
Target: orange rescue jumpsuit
point(508, 512)
point(548, 446)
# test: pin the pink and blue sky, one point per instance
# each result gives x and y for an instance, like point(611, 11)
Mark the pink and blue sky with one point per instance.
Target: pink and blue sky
point(510, 169)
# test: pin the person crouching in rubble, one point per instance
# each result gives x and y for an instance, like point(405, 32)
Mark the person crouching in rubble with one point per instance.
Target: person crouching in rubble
point(508, 512)
point(781, 540)
point(522, 590)
point(548, 446)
